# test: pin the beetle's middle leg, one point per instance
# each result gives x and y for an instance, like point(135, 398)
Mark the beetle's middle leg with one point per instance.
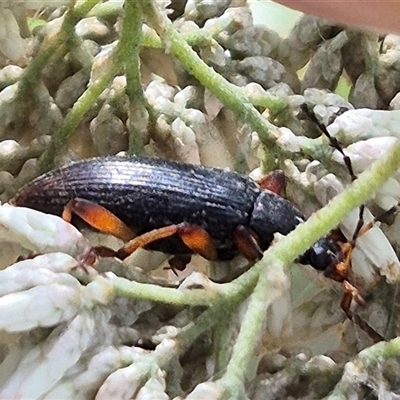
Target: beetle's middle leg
point(193, 236)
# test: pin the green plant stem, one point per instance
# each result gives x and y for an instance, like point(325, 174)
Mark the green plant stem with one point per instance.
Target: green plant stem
point(82, 9)
point(76, 114)
point(222, 336)
point(202, 37)
point(109, 9)
point(128, 51)
point(270, 286)
point(31, 76)
point(122, 287)
point(229, 94)
point(55, 48)
point(273, 104)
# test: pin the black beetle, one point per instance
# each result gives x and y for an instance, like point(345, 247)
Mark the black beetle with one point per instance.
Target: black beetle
point(176, 208)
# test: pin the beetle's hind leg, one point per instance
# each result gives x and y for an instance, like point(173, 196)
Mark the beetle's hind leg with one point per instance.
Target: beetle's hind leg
point(99, 218)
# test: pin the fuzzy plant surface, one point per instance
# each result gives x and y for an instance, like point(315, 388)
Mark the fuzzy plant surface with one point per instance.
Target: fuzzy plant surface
point(198, 82)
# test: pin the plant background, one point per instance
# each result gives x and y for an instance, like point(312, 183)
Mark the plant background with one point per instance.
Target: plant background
point(89, 79)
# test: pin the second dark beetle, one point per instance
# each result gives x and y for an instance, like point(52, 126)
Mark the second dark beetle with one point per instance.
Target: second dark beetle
point(150, 194)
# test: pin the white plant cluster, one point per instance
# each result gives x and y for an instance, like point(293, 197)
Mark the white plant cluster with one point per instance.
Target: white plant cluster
point(79, 355)
point(68, 346)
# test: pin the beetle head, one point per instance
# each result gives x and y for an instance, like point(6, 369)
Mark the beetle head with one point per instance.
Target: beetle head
point(323, 256)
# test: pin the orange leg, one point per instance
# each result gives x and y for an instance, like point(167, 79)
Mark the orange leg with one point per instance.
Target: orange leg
point(194, 237)
point(99, 218)
point(275, 182)
point(246, 242)
point(341, 271)
point(351, 293)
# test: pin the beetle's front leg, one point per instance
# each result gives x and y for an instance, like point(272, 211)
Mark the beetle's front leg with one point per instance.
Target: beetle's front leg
point(275, 182)
point(247, 243)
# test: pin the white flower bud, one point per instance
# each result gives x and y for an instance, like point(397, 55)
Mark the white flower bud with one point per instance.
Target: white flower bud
point(288, 141)
point(363, 154)
point(64, 390)
point(207, 390)
point(158, 89)
point(57, 301)
point(212, 148)
point(99, 291)
point(44, 365)
point(122, 384)
point(355, 125)
point(11, 43)
point(40, 270)
point(92, 374)
point(185, 142)
point(104, 363)
point(154, 388)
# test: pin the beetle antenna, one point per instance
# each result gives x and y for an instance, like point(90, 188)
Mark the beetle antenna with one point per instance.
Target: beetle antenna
point(337, 146)
point(332, 140)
